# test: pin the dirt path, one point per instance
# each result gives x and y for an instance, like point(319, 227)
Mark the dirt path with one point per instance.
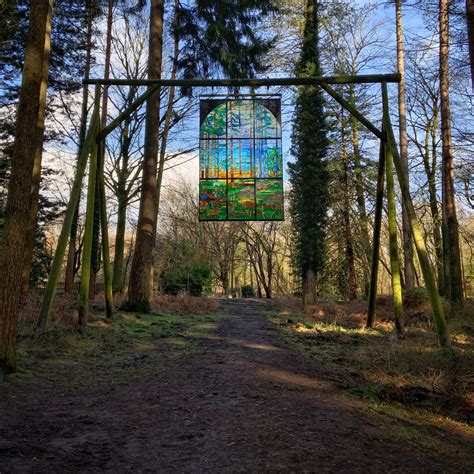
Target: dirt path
point(245, 403)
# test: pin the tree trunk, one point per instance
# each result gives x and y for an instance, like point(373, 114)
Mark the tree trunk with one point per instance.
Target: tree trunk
point(360, 197)
point(430, 165)
point(169, 110)
point(470, 33)
point(95, 256)
point(409, 271)
point(393, 248)
point(96, 244)
point(268, 287)
point(349, 247)
point(449, 207)
point(310, 295)
point(140, 287)
point(118, 272)
point(72, 254)
point(18, 210)
point(36, 176)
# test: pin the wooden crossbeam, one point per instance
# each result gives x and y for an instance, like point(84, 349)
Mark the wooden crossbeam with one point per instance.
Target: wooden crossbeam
point(265, 82)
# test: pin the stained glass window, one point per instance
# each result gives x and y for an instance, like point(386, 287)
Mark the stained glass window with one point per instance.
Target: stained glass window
point(240, 160)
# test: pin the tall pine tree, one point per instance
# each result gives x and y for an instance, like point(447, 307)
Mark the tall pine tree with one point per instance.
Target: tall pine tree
point(308, 174)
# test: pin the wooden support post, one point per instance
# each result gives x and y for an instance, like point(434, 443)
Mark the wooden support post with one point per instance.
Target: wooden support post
point(376, 239)
point(54, 274)
point(428, 274)
point(88, 236)
point(109, 304)
point(393, 246)
point(353, 111)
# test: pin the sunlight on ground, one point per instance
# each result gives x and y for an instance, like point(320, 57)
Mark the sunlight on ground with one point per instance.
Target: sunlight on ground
point(283, 376)
point(252, 345)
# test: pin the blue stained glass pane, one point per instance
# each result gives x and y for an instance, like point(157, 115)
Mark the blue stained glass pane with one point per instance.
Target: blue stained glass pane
point(266, 124)
point(241, 158)
point(240, 119)
point(213, 159)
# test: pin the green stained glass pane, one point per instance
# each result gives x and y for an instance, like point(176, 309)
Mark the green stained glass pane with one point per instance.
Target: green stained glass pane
point(269, 199)
point(213, 199)
point(268, 161)
point(241, 198)
point(215, 124)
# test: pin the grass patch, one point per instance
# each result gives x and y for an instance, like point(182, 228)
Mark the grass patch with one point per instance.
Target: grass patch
point(413, 374)
point(130, 347)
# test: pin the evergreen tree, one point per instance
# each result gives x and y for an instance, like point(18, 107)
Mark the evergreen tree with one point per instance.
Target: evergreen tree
point(223, 37)
point(17, 210)
point(308, 174)
point(68, 38)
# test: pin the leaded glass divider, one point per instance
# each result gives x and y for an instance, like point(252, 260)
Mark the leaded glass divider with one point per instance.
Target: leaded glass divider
point(240, 159)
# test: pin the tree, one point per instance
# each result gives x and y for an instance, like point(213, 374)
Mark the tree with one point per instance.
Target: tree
point(224, 37)
point(409, 270)
point(18, 207)
point(125, 150)
point(140, 287)
point(96, 254)
point(450, 222)
point(351, 44)
point(309, 176)
point(423, 112)
point(73, 254)
point(66, 59)
point(261, 242)
point(470, 32)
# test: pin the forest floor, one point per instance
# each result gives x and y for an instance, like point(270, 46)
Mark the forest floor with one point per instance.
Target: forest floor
point(230, 391)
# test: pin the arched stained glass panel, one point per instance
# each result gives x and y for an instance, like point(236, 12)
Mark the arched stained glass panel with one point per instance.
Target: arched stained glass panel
point(240, 159)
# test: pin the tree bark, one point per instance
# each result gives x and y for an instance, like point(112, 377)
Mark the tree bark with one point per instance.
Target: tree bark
point(169, 110)
point(310, 295)
point(408, 269)
point(118, 272)
point(36, 176)
point(72, 254)
point(362, 211)
point(470, 33)
point(393, 248)
point(96, 244)
point(140, 288)
point(351, 285)
point(450, 221)
point(18, 210)
point(430, 165)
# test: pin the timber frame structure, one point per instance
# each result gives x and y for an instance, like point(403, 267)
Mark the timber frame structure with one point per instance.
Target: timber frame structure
point(93, 153)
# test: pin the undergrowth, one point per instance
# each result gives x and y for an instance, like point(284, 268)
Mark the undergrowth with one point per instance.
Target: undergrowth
point(373, 365)
point(128, 347)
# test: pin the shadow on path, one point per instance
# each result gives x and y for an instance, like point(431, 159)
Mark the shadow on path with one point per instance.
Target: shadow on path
point(245, 402)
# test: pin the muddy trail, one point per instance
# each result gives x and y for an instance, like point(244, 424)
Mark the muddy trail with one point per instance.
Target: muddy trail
point(245, 402)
